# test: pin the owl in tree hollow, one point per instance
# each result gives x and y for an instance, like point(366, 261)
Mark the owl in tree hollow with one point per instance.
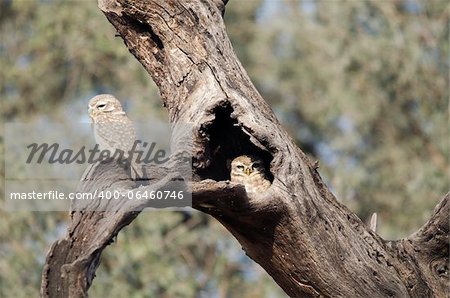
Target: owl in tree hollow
point(250, 171)
point(113, 130)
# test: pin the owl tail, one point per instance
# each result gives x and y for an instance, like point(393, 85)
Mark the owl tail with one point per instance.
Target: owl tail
point(136, 172)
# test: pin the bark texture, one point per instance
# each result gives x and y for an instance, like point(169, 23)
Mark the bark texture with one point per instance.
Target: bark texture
point(310, 244)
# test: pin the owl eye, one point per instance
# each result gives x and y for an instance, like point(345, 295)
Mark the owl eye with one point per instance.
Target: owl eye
point(240, 167)
point(101, 106)
point(256, 164)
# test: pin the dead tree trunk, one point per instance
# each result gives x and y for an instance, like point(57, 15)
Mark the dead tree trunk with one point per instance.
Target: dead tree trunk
point(297, 231)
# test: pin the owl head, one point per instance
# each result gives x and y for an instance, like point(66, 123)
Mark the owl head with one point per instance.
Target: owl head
point(246, 166)
point(104, 104)
point(250, 171)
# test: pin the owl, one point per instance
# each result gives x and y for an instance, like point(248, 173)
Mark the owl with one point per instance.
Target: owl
point(250, 171)
point(113, 130)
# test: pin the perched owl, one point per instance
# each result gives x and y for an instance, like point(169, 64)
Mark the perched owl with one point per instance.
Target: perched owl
point(249, 170)
point(113, 130)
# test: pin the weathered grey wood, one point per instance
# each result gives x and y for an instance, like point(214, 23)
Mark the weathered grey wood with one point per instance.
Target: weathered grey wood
point(71, 262)
point(297, 231)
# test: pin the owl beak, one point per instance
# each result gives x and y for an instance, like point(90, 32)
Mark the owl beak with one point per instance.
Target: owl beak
point(248, 171)
point(90, 112)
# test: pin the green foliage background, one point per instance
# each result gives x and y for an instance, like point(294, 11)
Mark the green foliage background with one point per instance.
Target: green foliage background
point(362, 86)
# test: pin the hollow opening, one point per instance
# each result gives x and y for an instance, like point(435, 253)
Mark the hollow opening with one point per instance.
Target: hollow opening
point(227, 141)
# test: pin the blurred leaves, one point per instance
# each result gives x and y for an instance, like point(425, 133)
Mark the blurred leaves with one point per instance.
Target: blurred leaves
point(361, 85)
point(55, 59)
point(55, 55)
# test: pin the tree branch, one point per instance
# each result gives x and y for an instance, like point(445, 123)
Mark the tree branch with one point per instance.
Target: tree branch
point(297, 231)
